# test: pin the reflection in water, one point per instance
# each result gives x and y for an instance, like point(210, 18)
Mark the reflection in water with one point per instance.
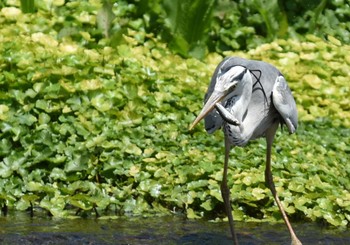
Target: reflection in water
point(19, 228)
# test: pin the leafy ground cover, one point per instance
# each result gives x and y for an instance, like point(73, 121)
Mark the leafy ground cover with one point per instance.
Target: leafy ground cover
point(87, 126)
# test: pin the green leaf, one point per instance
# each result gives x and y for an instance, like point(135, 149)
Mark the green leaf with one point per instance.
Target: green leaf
point(258, 193)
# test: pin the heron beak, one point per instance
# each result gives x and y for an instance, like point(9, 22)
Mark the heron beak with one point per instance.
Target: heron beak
point(215, 98)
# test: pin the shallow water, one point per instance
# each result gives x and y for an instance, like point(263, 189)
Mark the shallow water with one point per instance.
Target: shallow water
point(20, 228)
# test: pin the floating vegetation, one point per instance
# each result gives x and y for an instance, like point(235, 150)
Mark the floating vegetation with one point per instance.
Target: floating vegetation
point(89, 126)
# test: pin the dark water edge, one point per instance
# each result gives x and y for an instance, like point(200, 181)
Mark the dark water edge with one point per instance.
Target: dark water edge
point(20, 228)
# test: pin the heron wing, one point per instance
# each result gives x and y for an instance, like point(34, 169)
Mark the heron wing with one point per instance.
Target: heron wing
point(284, 102)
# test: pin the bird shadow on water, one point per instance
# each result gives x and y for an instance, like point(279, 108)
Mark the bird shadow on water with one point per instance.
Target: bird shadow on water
point(19, 228)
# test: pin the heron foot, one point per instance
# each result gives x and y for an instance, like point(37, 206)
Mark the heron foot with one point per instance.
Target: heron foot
point(226, 115)
point(296, 241)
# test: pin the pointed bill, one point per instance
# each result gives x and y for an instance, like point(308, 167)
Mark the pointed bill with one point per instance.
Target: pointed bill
point(215, 98)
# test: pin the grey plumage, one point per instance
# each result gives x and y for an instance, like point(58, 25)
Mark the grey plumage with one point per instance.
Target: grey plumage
point(248, 99)
point(259, 105)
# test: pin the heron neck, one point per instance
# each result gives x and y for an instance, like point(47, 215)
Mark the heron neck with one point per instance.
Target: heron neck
point(240, 101)
point(238, 106)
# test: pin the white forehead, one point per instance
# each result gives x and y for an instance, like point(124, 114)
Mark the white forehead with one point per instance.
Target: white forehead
point(230, 74)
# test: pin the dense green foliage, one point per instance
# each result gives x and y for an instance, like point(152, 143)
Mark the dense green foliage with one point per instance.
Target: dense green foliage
point(239, 25)
point(91, 122)
point(252, 22)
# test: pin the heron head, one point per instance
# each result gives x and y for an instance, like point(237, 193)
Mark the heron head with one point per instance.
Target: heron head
point(227, 82)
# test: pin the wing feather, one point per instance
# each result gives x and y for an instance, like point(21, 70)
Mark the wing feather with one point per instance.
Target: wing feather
point(284, 102)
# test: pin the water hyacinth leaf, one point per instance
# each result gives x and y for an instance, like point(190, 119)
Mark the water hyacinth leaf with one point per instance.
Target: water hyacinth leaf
point(95, 141)
point(43, 118)
point(161, 173)
point(22, 205)
point(297, 187)
point(77, 163)
point(42, 104)
point(134, 170)
point(68, 86)
point(105, 120)
point(191, 214)
point(130, 90)
point(133, 149)
point(334, 220)
point(11, 12)
point(30, 198)
point(288, 208)
point(344, 202)
point(101, 103)
point(38, 87)
point(34, 186)
point(58, 174)
point(197, 184)
point(207, 205)
point(3, 111)
point(56, 205)
point(26, 119)
point(247, 180)
point(5, 147)
point(81, 130)
point(313, 80)
point(258, 193)
point(91, 84)
point(156, 190)
point(5, 170)
point(136, 206)
point(81, 201)
point(301, 201)
point(324, 203)
point(30, 93)
point(217, 194)
point(124, 51)
point(15, 160)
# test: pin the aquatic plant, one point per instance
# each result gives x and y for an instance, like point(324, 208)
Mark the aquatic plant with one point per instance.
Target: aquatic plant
point(89, 124)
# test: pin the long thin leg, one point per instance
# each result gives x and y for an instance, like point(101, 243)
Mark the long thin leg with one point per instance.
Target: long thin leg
point(225, 192)
point(270, 135)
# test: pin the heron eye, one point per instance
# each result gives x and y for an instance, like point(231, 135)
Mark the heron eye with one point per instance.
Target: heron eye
point(232, 87)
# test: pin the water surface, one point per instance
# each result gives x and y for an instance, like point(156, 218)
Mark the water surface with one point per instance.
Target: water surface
point(20, 228)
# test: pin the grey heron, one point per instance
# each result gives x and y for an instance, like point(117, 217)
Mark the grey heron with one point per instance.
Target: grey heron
point(248, 99)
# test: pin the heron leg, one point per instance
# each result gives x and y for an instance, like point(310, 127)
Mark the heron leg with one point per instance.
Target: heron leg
point(270, 135)
point(225, 192)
